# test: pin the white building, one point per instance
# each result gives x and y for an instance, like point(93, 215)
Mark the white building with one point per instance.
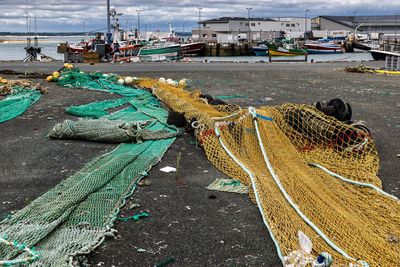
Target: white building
point(233, 29)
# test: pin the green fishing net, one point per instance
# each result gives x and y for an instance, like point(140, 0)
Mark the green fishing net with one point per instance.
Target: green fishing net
point(73, 218)
point(17, 103)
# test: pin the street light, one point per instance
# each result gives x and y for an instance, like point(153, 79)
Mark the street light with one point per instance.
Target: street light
point(395, 33)
point(84, 26)
point(199, 8)
point(138, 20)
point(305, 23)
point(248, 11)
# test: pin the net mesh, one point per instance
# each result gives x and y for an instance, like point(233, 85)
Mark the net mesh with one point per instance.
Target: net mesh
point(361, 221)
point(74, 217)
point(20, 95)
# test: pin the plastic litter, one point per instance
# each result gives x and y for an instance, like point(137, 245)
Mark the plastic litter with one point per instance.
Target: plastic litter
point(168, 169)
point(135, 217)
point(165, 262)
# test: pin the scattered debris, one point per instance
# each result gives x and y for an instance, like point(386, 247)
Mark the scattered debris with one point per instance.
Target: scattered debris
point(165, 262)
point(144, 182)
point(212, 196)
point(174, 222)
point(168, 169)
point(267, 99)
point(228, 185)
point(134, 205)
point(135, 217)
point(231, 96)
point(363, 69)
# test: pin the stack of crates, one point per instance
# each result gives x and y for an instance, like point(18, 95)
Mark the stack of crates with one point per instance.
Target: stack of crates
point(73, 57)
point(91, 57)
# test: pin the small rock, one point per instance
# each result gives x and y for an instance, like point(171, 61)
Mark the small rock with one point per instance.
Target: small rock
point(212, 196)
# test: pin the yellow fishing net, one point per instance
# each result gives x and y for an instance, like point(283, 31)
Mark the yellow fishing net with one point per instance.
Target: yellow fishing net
point(353, 223)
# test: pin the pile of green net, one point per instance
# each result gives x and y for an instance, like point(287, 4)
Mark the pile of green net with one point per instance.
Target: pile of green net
point(17, 102)
point(95, 81)
point(73, 218)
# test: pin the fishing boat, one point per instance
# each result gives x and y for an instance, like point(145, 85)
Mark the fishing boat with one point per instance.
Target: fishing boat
point(159, 51)
point(260, 50)
point(192, 49)
point(381, 55)
point(323, 48)
point(128, 50)
point(274, 51)
point(82, 46)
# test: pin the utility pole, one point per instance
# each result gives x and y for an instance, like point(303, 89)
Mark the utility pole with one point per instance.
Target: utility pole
point(199, 8)
point(248, 16)
point(138, 20)
point(305, 23)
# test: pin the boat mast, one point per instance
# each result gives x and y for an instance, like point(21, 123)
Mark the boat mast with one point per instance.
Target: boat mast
point(108, 23)
point(26, 18)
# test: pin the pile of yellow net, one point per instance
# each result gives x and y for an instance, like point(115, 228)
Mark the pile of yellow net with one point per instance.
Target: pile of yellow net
point(314, 178)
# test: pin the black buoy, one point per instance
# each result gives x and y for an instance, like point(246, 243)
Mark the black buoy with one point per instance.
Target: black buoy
point(216, 102)
point(343, 110)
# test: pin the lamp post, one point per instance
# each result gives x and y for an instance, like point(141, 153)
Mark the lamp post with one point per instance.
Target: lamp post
point(84, 26)
point(395, 33)
point(199, 8)
point(138, 20)
point(248, 16)
point(305, 23)
point(108, 23)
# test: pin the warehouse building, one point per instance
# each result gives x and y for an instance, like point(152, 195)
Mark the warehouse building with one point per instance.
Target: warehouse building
point(235, 29)
point(366, 24)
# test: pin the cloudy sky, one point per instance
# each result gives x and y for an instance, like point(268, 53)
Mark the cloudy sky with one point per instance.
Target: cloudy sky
point(69, 15)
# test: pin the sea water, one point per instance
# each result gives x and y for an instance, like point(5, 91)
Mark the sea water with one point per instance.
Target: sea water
point(12, 48)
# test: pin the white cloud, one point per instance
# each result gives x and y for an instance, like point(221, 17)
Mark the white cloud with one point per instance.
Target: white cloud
point(67, 15)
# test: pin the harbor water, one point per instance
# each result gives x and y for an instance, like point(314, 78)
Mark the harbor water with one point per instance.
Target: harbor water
point(12, 48)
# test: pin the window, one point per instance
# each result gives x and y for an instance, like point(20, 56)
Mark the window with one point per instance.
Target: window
point(287, 25)
point(253, 24)
point(204, 34)
point(214, 35)
point(259, 23)
point(293, 25)
point(241, 23)
point(247, 24)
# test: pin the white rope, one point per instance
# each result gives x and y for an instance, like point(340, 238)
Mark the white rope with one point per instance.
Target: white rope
point(253, 183)
point(352, 181)
point(28, 259)
point(287, 196)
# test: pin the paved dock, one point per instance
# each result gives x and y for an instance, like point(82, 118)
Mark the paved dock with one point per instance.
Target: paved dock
point(185, 223)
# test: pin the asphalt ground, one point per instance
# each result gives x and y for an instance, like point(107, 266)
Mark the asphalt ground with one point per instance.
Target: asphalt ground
point(186, 225)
